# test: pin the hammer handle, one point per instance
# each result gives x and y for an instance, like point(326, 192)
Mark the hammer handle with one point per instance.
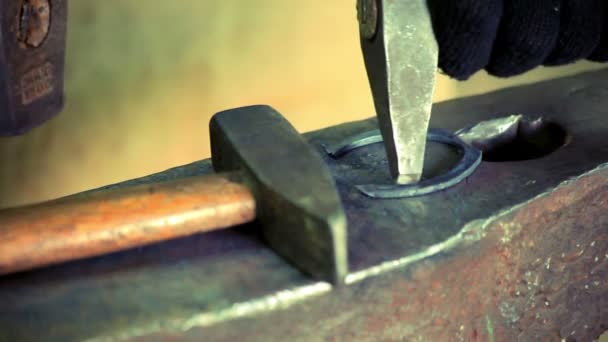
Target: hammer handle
point(92, 224)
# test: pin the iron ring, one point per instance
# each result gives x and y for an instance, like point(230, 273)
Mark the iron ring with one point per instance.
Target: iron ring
point(471, 159)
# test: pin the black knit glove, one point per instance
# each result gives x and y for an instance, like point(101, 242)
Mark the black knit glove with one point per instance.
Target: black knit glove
point(510, 37)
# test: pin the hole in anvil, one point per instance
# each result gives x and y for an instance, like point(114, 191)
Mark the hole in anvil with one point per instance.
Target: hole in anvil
point(515, 138)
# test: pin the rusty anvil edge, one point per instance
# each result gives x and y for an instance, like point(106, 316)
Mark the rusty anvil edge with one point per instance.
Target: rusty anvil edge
point(531, 263)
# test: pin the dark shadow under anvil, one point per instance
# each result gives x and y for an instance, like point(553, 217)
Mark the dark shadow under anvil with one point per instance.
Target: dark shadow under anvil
point(518, 251)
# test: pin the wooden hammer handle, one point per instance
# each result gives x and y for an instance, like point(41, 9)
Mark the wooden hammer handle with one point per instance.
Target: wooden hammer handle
point(92, 224)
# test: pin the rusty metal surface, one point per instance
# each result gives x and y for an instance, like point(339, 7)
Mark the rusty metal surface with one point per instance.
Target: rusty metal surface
point(516, 251)
point(34, 22)
point(538, 273)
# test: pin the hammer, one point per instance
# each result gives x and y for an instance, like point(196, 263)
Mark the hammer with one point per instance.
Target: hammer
point(266, 171)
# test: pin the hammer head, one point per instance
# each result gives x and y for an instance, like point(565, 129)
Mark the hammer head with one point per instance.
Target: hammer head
point(32, 53)
point(297, 201)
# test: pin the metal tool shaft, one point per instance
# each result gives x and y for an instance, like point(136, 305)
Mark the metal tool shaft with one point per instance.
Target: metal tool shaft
point(401, 55)
point(93, 224)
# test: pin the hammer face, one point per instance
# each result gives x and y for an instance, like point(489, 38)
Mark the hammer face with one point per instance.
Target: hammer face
point(298, 204)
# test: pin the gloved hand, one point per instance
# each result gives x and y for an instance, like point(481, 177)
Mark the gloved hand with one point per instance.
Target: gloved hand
point(510, 37)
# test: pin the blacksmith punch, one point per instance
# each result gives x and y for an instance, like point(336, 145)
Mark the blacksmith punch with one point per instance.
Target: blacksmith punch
point(401, 55)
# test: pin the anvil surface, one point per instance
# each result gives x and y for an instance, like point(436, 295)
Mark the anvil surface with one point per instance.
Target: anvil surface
point(518, 251)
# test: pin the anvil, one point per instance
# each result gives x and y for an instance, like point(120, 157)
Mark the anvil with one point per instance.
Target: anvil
point(517, 251)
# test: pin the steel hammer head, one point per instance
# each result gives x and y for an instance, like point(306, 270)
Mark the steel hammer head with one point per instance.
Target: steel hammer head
point(32, 56)
point(298, 206)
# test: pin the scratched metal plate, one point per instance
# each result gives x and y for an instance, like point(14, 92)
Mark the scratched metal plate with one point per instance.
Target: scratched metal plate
point(216, 285)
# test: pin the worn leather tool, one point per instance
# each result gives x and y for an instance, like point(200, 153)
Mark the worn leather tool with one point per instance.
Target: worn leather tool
point(32, 54)
point(272, 173)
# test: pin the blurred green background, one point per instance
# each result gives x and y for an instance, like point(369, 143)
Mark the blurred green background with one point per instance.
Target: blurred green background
point(143, 78)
